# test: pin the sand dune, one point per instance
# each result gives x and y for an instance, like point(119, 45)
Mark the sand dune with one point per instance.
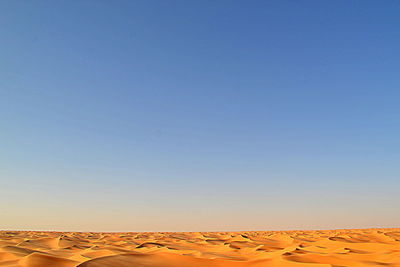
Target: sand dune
point(336, 248)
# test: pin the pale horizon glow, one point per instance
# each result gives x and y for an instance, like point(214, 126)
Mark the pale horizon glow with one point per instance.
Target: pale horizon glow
point(199, 116)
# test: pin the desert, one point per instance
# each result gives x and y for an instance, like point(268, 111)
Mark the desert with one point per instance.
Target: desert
point(176, 133)
point(335, 248)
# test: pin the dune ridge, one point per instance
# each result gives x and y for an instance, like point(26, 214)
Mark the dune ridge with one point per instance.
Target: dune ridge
point(334, 248)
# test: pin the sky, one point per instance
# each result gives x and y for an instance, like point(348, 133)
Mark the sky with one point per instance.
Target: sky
point(199, 115)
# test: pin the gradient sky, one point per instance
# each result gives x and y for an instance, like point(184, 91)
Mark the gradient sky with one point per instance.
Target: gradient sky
point(199, 115)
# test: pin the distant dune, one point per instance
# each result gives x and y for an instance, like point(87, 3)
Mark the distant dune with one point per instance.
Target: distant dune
point(336, 248)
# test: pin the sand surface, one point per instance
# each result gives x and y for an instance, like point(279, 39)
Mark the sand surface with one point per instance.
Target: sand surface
point(372, 247)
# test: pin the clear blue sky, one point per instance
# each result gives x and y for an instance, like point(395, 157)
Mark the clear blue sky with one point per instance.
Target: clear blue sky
point(199, 115)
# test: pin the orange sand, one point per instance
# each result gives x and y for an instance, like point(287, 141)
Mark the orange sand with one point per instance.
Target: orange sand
point(336, 248)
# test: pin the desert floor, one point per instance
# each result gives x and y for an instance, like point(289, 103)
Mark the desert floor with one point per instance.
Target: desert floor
point(370, 247)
